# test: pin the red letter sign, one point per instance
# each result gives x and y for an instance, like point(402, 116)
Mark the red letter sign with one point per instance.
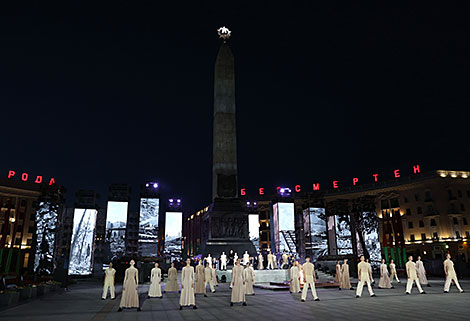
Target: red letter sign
point(261, 191)
point(397, 173)
point(316, 186)
point(335, 184)
point(52, 181)
point(375, 176)
point(24, 177)
point(297, 188)
point(243, 191)
point(355, 180)
point(38, 179)
point(416, 169)
point(11, 174)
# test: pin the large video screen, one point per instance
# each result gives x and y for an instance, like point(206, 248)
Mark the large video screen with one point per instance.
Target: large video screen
point(82, 243)
point(46, 224)
point(284, 225)
point(343, 235)
point(370, 227)
point(148, 226)
point(316, 236)
point(253, 229)
point(116, 221)
point(173, 232)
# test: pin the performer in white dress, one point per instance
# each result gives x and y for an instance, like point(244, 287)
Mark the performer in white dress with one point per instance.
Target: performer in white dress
point(364, 276)
point(200, 279)
point(246, 258)
point(423, 280)
point(130, 295)
point(393, 272)
point(155, 289)
point(208, 278)
point(109, 274)
point(450, 275)
point(309, 273)
point(384, 282)
point(412, 276)
point(187, 286)
point(249, 279)
point(260, 261)
point(214, 276)
point(209, 260)
point(223, 262)
point(372, 281)
point(345, 281)
point(238, 284)
point(294, 278)
point(285, 260)
point(338, 273)
point(172, 283)
point(235, 258)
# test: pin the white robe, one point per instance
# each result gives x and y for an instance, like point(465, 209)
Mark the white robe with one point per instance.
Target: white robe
point(214, 276)
point(109, 283)
point(187, 286)
point(260, 262)
point(223, 262)
point(421, 272)
point(384, 282)
point(238, 284)
point(294, 283)
point(249, 280)
point(155, 290)
point(172, 283)
point(246, 258)
point(130, 296)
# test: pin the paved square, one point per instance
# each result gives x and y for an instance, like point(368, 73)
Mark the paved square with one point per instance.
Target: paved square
point(83, 303)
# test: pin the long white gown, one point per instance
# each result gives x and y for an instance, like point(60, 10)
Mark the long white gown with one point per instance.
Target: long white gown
point(249, 280)
point(384, 282)
point(421, 272)
point(187, 289)
point(295, 283)
point(238, 288)
point(155, 289)
point(130, 297)
point(260, 262)
point(172, 284)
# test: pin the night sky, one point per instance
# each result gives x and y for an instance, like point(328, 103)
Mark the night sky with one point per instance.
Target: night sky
point(103, 92)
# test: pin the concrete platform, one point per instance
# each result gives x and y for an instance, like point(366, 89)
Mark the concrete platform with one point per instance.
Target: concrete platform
point(261, 276)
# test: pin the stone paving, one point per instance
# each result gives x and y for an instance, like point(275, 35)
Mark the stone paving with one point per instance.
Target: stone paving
point(83, 302)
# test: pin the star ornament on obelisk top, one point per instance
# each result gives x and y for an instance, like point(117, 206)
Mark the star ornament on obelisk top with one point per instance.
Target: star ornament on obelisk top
point(224, 33)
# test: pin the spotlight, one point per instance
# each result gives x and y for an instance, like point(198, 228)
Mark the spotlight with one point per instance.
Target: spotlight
point(254, 203)
point(155, 185)
point(178, 201)
point(147, 185)
point(171, 200)
point(247, 203)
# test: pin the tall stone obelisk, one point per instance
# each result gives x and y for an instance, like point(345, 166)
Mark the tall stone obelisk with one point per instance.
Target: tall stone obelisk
point(225, 225)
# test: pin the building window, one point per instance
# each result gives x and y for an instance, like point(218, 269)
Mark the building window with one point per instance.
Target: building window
point(31, 229)
point(462, 207)
point(26, 260)
point(408, 212)
point(459, 193)
point(410, 224)
point(23, 203)
point(405, 199)
point(465, 222)
point(468, 193)
point(419, 210)
point(18, 241)
point(435, 236)
point(449, 192)
point(19, 228)
point(416, 197)
point(433, 222)
point(427, 196)
point(430, 209)
point(423, 236)
point(384, 203)
point(455, 221)
point(412, 237)
point(457, 234)
point(452, 208)
point(467, 234)
point(394, 203)
point(421, 223)
point(29, 241)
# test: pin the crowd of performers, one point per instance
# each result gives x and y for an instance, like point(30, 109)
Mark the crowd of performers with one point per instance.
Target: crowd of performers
point(199, 279)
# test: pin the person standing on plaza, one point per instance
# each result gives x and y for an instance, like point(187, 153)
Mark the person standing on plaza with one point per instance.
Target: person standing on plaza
point(294, 278)
point(208, 278)
point(393, 272)
point(345, 281)
point(384, 282)
point(246, 258)
point(249, 279)
point(130, 295)
point(364, 276)
point(260, 261)
point(155, 289)
point(412, 276)
point(309, 274)
point(223, 262)
point(109, 274)
point(200, 280)
point(187, 286)
point(450, 275)
point(423, 280)
point(214, 276)
point(238, 284)
point(172, 284)
point(372, 281)
point(285, 260)
point(338, 273)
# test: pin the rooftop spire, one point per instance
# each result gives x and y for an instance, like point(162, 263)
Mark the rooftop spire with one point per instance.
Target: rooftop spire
point(224, 33)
